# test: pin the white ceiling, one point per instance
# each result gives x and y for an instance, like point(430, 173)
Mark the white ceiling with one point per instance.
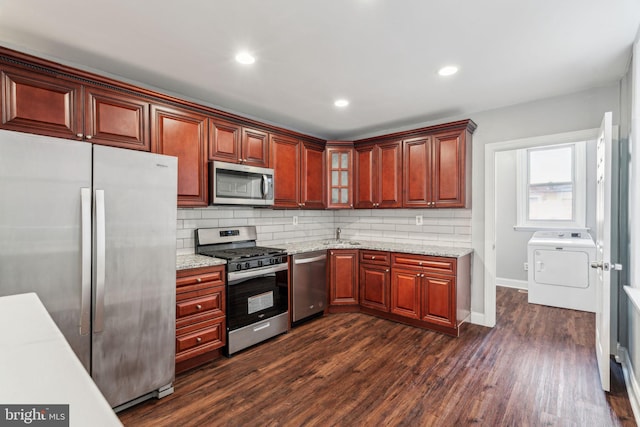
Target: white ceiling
point(383, 55)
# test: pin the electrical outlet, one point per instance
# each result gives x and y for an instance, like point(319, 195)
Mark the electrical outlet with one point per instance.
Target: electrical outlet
point(526, 266)
point(295, 220)
point(418, 219)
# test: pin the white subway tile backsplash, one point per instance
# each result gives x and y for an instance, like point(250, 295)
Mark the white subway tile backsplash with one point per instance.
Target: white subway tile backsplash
point(445, 227)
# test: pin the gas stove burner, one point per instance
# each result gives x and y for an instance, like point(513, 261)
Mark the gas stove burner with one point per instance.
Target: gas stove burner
point(242, 253)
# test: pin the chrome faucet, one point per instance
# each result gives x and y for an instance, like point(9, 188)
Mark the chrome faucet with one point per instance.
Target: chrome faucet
point(338, 231)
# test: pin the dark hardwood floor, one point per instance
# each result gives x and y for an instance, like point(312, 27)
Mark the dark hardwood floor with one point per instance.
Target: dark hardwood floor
point(537, 367)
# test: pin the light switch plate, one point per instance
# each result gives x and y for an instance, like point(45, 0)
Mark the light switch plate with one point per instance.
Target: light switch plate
point(418, 219)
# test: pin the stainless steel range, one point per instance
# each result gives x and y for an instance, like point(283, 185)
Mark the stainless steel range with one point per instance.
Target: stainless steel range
point(257, 278)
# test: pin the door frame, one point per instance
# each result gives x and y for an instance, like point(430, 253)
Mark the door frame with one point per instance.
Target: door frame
point(490, 151)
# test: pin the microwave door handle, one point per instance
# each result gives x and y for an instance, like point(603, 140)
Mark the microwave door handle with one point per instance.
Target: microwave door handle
point(265, 187)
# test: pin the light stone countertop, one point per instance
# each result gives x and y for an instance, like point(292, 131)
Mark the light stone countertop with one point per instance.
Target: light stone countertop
point(185, 262)
point(318, 245)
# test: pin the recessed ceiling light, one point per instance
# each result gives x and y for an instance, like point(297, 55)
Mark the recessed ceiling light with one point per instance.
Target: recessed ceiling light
point(245, 58)
point(449, 70)
point(341, 103)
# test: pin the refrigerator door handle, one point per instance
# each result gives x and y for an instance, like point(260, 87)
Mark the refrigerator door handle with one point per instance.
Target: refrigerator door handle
point(98, 320)
point(85, 232)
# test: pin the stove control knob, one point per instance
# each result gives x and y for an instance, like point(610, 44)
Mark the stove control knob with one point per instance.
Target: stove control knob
point(259, 263)
point(272, 261)
point(246, 265)
point(238, 267)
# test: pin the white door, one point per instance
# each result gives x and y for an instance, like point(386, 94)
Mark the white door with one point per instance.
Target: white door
point(603, 249)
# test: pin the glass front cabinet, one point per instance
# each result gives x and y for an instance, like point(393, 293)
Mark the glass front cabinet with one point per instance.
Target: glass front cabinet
point(340, 174)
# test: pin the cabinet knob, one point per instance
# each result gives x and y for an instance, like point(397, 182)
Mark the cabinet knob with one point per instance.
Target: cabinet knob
point(387, 270)
point(351, 205)
point(89, 137)
point(422, 275)
point(418, 275)
point(198, 307)
point(199, 279)
point(420, 262)
point(79, 135)
point(198, 339)
point(302, 204)
point(373, 257)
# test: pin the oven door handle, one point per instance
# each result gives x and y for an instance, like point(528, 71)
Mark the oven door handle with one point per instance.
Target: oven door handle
point(256, 272)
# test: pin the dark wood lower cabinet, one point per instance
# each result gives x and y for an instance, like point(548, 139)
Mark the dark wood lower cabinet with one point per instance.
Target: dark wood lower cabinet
point(374, 286)
point(423, 291)
point(200, 316)
point(405, 293)
point(343, 279)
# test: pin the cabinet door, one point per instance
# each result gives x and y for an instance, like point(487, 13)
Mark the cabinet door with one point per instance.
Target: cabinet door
point(438, 300)
point(255, 148)
point(366, 188)
point(448, 170)
point(417, 170)
point(405, 292)
point(183, 134)
point(285, 161)
point(36, 103)
point(312, 194)
point(224, 141)
point(116, 119)
point(343, 277)
point(389, 175)
point(374, 287)
point(340, 171)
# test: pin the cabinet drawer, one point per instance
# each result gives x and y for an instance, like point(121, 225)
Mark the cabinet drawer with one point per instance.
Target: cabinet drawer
point(211, 278)
point(435, 264)
point(212, 334)
point(374, 257)
point(208, 303)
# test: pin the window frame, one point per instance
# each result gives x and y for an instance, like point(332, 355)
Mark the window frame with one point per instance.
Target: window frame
point(579, 198)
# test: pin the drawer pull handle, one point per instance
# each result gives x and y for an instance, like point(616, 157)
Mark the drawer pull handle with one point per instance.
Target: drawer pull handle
point(198, 307)
point(198, 339)
point(199, 280)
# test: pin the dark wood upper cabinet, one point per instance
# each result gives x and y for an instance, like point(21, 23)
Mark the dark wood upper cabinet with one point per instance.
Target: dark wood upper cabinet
point(183, 133)
point(230, 142)
point(417, 172)
point(450, 178)
point(312, 189)
point(285, 161)
point(40, 104)
point(255, 148)
point(224, 141)
point(116, 119)
point(378, 171)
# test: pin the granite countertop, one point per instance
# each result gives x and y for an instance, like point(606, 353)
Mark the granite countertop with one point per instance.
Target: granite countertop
point(184, 262)
point(319, 245)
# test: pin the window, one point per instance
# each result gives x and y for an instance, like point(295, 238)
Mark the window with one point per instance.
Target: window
point(551, 186)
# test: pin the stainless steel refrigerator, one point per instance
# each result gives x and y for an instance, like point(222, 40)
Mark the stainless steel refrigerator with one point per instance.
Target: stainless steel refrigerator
point(92, 230)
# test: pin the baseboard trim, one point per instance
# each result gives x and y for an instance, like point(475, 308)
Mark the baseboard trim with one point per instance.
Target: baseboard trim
point(479, 319)
point(633, 388)
point(512, 283)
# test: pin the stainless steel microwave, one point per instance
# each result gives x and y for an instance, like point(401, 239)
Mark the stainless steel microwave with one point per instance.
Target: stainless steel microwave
point(234, 184)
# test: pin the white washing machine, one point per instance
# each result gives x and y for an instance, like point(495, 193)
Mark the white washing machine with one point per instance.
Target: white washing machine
point(560, 273)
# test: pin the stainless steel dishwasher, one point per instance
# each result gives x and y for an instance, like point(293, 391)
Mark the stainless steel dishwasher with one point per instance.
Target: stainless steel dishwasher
point(309, 284)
